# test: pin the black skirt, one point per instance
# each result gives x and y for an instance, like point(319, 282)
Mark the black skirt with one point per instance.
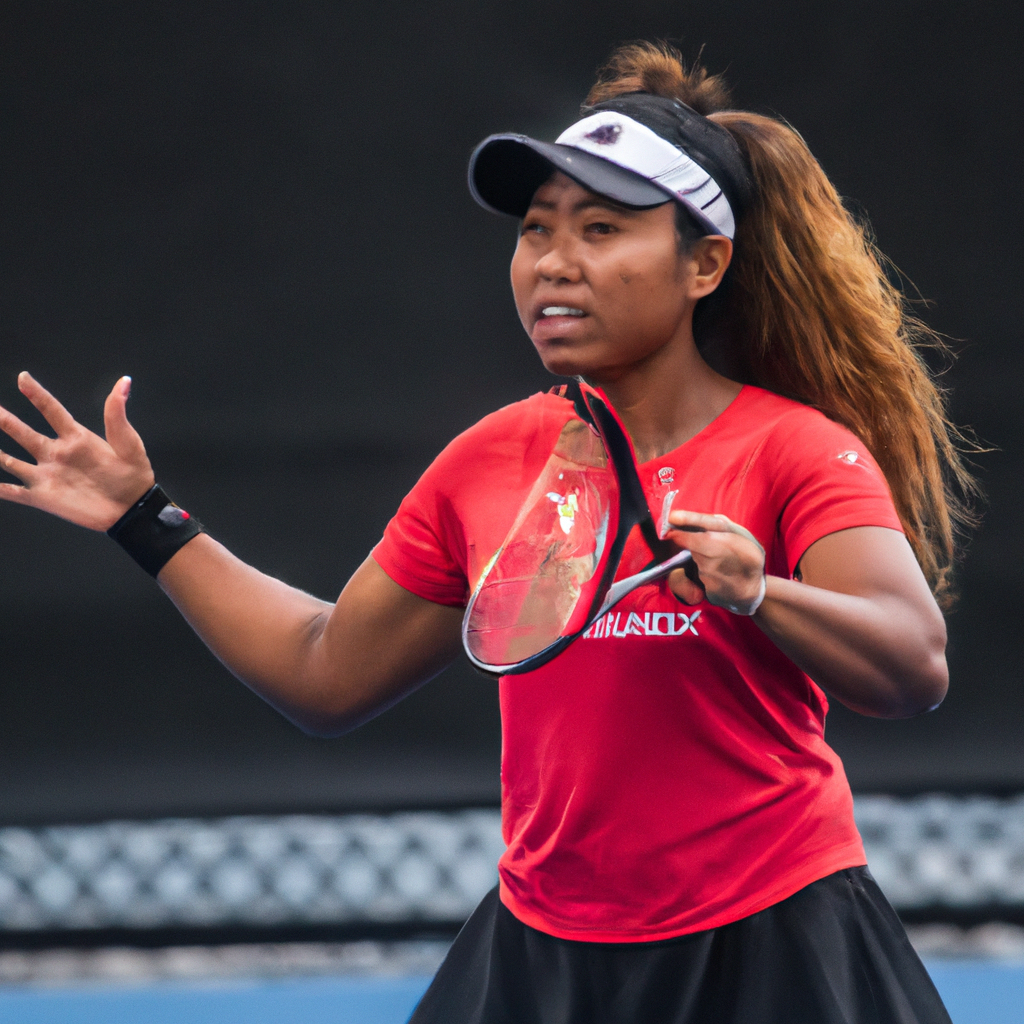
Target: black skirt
point(833, 953)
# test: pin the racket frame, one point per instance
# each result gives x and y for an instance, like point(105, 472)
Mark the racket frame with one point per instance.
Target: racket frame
point(634, 511)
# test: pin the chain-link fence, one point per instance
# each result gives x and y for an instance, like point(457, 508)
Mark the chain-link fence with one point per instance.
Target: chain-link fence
point(944, 851)
point(427, 866)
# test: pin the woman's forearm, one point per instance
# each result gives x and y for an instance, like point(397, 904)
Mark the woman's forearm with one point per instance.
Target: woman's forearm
point(876, 654)
point(862, 623)
point(264, 631)
point(327, 668)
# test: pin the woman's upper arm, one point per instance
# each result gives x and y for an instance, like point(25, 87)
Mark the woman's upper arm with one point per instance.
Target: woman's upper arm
point(878, 564)
point(378, 644)
point(869, 561)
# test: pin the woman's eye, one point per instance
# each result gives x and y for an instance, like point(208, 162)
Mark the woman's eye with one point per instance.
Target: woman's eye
point(600, 228)
point(532, 227)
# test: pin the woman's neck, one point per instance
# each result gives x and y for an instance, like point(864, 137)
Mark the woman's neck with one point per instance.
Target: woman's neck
point(665, 401)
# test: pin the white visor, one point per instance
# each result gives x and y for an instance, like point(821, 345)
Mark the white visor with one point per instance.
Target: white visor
point(619, 139)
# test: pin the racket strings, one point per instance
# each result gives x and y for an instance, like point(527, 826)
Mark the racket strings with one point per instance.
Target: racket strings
point(530, 591)
point(554, 574)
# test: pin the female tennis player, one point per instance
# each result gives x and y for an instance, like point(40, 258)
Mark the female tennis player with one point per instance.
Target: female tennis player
point(681, 842)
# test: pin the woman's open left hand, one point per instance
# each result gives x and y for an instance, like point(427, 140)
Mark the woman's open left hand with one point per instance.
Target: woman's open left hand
point(77, 475)
point(728, 559)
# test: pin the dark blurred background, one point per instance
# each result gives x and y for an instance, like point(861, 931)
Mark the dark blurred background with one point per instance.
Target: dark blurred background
point(258, 210)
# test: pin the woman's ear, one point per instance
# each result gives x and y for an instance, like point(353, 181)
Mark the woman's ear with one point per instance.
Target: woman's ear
point(710, 257)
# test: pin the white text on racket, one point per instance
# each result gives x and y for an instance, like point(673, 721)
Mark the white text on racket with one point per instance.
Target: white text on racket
point(621, 624)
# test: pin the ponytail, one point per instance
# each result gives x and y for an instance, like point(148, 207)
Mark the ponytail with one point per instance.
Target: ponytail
point(808, 312)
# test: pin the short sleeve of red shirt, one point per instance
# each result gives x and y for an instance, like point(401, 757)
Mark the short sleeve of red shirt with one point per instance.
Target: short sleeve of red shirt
point(415, 551)
point(459, 511)
point(825, 481)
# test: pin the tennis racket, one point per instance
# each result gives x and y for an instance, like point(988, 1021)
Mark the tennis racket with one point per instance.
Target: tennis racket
point(554, 574)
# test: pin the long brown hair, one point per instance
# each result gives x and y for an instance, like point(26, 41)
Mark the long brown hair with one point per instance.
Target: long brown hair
point(812, 315)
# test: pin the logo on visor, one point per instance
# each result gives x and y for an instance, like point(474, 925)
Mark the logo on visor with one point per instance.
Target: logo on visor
point(605, 134)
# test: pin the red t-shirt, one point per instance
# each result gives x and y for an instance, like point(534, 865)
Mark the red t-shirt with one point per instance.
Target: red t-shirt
point(668, 771)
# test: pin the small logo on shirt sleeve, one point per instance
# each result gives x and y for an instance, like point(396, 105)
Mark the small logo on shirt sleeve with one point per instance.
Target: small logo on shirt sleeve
point(849, 457)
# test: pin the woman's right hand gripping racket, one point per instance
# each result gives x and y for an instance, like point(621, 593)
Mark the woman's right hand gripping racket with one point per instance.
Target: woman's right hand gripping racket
point(554, 574)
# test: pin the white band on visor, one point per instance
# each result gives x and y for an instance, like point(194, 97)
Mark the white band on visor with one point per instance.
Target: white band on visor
point(621, 140)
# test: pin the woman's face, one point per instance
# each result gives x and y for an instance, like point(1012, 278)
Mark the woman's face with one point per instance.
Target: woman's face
point(600, 288)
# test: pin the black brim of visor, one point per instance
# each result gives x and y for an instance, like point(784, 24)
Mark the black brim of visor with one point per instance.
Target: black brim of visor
point(506, 170)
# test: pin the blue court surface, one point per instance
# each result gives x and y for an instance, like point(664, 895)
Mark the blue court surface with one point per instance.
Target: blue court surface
point(293, 1001)
point(979, 992)
point(975, 993)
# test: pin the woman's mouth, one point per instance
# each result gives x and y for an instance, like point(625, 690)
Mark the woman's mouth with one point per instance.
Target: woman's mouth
point(556, 324)
point(561, 311)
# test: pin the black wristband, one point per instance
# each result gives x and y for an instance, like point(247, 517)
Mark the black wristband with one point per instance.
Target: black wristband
point(154, 529)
